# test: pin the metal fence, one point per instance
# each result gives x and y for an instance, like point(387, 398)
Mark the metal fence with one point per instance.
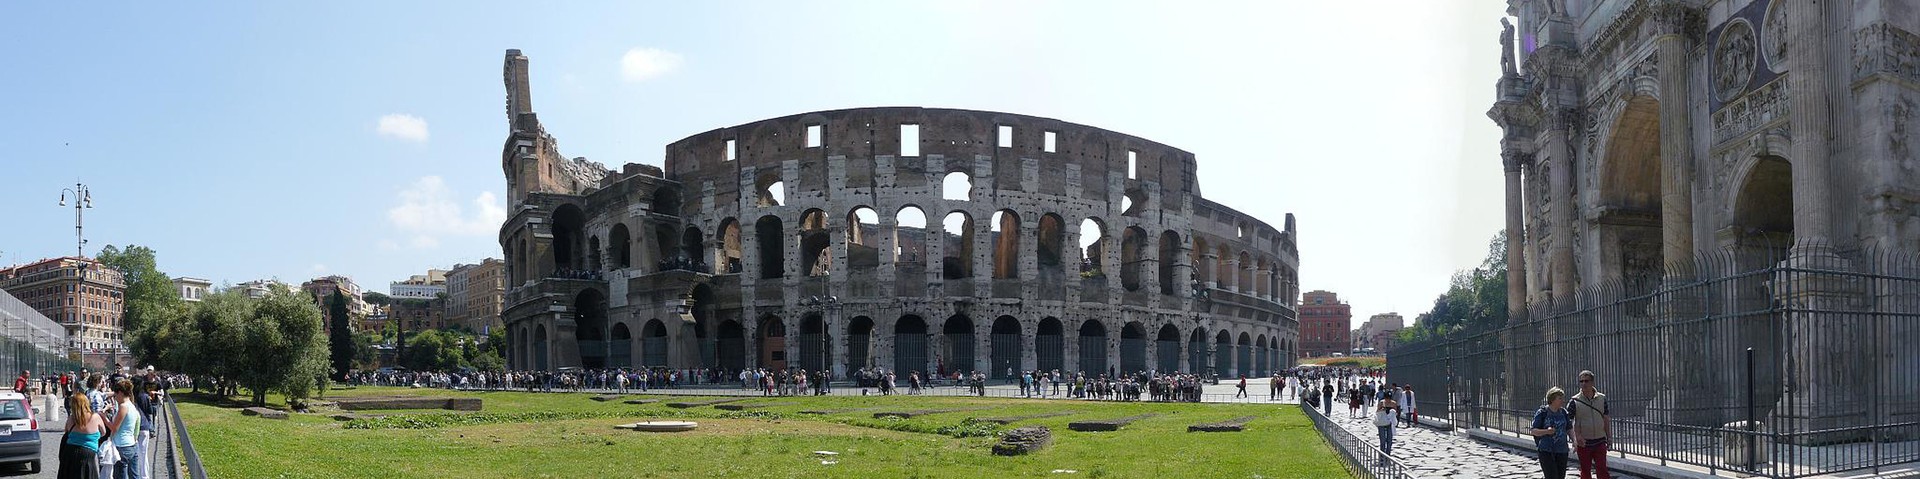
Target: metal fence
point(30, 341)
point(1756, 361)
point(1360, 458)
point(185, 455)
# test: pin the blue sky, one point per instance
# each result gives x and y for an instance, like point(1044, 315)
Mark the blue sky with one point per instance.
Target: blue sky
point(247, 141)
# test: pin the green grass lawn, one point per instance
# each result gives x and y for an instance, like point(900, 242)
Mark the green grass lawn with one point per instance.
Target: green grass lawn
point(1280, 443)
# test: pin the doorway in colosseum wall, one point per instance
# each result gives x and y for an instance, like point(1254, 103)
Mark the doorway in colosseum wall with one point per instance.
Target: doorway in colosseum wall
point(1050, 346)
point(910, 239)
point(1004, 338)
point(863, 253)
point(1093, 245)
point(909, 346)
point(766, 232)
point(1197, 351)
point(1169, 256)
point(815, 258)
point(590, 330)
point(1133, 348)
point(1005, 226)
point(1052, 236)
point(770, 340)
point(1133, 245)
point(859, 343)
point(956, 261)
point(729, 254)
point(956, 346)
point(1093, 348)
point(620, 246)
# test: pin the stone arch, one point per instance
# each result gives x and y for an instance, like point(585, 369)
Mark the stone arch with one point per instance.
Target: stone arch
point(1005, 228)
point(1051, 237)
point(1133, 348)
point(956, 346)
point(1762, 216)
point(703, 310)
point(1093, 348)
point(1050, 345)
point(1197, 350)
point(620, 246)
point(860, 343)
point(1133, 245)
point(1133, 202)
point(1004, 338)
point(770, 190)
point(693, 247)
point(653, 344)
point(1243, 354)
point(1166, 352)
point(1202, 269)
point(729, 251)
point(910, 238)
point(622, 341)
point(956, 186)
point(815, 344)
point(1169, 256)
point(1093, 245)
point(956, 261)
point(1261, 355)
point(767, 232)
point(1223, 269)
point(1223, 354)
point(541, 348)
point(732, 345)
point(863, 253)
point(1245, 282)
point(590, 327)
point(593, 253)
point(1629, 193)
point(815, 258)
point(569, 230)
point(770, 342)
point(910, 345)
point(666, 200)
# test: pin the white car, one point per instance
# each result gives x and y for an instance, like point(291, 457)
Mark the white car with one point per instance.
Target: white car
point(19, 431)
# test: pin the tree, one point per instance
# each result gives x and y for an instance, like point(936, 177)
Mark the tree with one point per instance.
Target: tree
point(149, 294)
point(340, 338)
point(283, 347)
point(365, 355)
point(376, 298)
point(1474, 299)
point(434, 350)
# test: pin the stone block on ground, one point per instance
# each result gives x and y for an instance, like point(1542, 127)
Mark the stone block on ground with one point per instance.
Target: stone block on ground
point(743, 407)
point(1106, 424)
point(1231, 425)
point(264, 412)
point(710, 402)
point(909, 414)
point(641, 401)
point(409, 402)
point(1013, 419)
point(836, 411)
point(606, 397)
point(1023, 440)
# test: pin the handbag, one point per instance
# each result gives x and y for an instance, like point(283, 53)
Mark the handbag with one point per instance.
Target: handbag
point(1382, 418)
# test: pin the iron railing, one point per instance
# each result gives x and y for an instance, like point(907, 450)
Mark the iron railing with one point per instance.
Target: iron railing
point(186, 453)
point(1360, 458)
point(1758, 362)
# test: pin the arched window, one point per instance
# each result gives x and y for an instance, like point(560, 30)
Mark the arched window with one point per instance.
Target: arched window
point(910, 238)
point(862, 251)
point(766, 232)
point(815, 258)
point(1006, 244)
point(957, 260)
point(1092, 245)
point(956, 186)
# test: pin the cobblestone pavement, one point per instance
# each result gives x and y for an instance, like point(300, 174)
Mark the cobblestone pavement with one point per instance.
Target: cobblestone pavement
point(1433, 453)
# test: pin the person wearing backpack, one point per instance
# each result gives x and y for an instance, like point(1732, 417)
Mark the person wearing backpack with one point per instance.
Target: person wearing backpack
point(1383, 419)
point(1549, 431)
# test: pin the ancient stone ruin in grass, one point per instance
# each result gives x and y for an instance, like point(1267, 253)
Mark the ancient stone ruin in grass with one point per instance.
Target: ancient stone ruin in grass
point(710, 402)
point(1023, 440)
point(1106, 424)
point(1231, 425)
point(1005, 420)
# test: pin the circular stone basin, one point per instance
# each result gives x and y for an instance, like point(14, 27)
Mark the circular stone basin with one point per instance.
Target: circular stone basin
point(660, 426)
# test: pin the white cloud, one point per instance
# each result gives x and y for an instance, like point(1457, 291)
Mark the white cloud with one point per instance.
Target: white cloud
point(427, 211)
point(640, 64)
point(319, 268)
point(403, 127)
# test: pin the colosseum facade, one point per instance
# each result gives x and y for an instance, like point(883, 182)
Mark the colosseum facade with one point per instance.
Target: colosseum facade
point(911, 239)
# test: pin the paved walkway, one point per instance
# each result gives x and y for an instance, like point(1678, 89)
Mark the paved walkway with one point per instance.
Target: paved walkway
point(1434, 453)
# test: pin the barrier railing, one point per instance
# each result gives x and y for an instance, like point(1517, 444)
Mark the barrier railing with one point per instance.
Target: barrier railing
point(186, 453)
point(1362, 459)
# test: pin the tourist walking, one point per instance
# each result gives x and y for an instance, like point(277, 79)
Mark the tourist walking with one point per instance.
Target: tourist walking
point(1549, 431)
point(1383, 419)
point(1242, 386)
point(1592, 429)
point(126, 431)
point(1326, 390)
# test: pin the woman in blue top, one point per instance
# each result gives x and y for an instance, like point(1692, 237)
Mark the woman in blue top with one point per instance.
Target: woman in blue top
point(1549, 432)
point(125, 431)
point(82, 440)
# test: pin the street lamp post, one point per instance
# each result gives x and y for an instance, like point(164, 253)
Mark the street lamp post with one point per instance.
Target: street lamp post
point(82, 199)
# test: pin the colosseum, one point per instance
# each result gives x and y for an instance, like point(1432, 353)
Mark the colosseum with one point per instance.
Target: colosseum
point(910, 239)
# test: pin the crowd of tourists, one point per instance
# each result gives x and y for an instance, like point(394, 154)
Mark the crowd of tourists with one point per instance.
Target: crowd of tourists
point(109, 431)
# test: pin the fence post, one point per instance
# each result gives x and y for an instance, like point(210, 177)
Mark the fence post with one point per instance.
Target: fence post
point(1753, 439)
